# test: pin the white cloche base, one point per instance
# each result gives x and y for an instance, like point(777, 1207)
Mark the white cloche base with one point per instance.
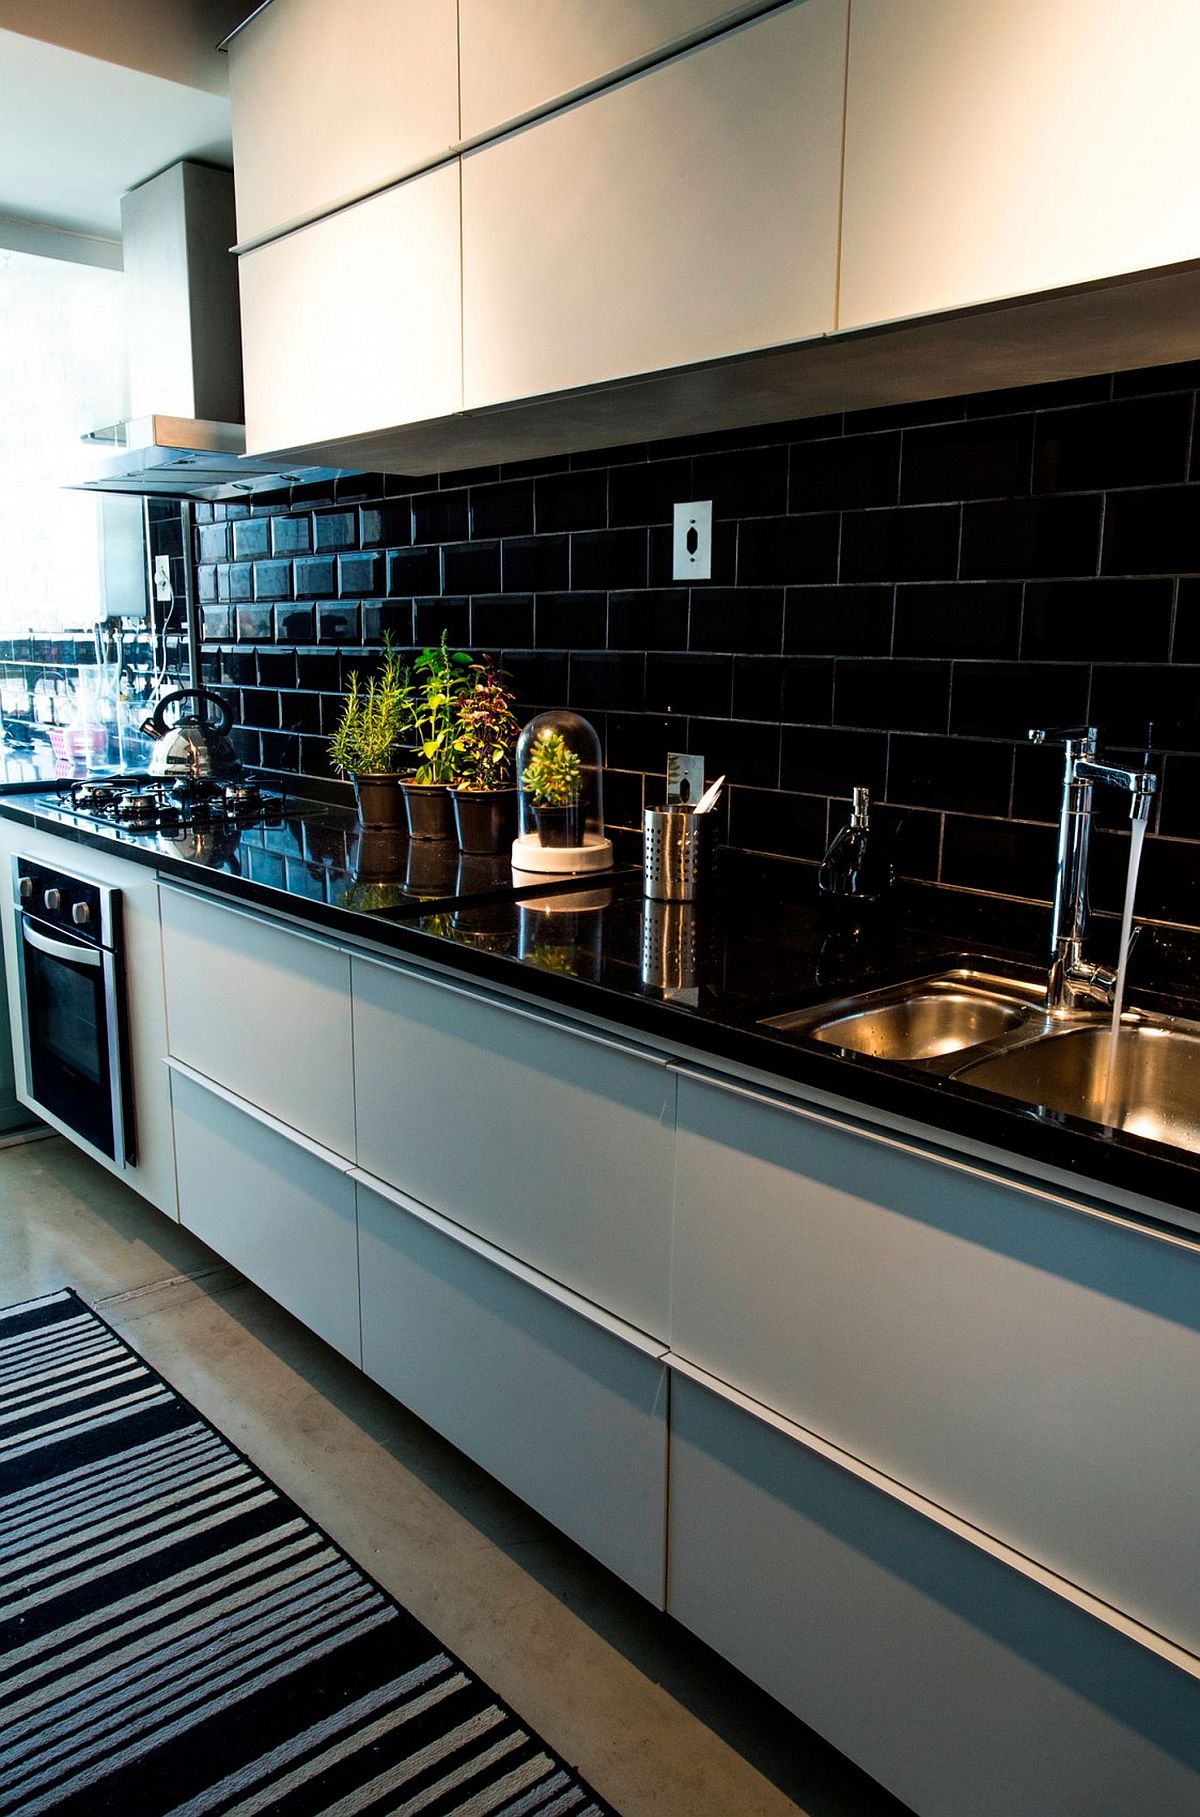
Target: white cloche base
point(529, 854)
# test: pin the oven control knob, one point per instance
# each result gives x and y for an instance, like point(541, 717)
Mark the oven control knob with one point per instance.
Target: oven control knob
point(53, 899)
point(26, 888)
point(81, 914)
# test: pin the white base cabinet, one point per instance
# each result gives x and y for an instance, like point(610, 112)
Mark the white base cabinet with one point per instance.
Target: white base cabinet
point(554, 1143)
point(955, 1681)
point(282, 1212)
point(559, 1405)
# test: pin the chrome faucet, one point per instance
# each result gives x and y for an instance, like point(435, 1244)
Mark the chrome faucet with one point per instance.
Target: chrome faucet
point(1073, 983)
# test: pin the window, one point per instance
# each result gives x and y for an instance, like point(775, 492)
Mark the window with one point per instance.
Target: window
point(62, 372)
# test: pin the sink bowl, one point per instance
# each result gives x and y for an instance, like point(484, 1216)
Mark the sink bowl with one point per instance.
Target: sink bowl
point(1155, 1084)
point(922, 1019)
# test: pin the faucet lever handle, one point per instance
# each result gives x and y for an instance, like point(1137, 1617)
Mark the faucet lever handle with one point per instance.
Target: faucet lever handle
point(1063, 734)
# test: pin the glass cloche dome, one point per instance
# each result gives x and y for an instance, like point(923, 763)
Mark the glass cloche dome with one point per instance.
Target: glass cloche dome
point(561, 796)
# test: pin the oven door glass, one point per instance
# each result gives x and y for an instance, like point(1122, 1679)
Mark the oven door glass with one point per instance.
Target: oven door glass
point(68, 992)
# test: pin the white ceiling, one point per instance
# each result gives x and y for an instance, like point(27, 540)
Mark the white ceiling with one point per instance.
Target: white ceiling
point(76, 132)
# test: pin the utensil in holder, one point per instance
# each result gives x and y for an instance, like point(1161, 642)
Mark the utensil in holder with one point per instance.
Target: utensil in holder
point(679, 852)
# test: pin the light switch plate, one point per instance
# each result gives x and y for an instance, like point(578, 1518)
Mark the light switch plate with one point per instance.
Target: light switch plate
point(691, 557)
point(685, 776)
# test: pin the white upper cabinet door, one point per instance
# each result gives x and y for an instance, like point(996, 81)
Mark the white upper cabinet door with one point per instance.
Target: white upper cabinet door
point(1010, 146)
point(354, 323)
point(516, 55)
point(686, 214)
point(329, 101)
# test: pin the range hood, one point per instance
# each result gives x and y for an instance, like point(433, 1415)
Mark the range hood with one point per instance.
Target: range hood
point(185, 438)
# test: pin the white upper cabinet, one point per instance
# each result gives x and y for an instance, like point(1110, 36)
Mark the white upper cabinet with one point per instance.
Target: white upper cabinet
point(329, 101)
point(686, 214)
point(1010, 146)
point(354, 323)
point(516, 55)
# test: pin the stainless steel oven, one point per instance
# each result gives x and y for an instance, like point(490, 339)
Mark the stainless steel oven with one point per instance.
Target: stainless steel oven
point(72, 992)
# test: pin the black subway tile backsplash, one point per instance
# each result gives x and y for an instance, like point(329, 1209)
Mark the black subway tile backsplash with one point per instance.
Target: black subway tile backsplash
point(251, 539)
point(648, 619)
point(1035, 537)
point(441, 517)
point(844, 473)
point(1007, 699)
point(411, 571)
point(571, 501)
point(915, 543)
point(839, 621)
point(1143, 442)
point(505, 509)
point(890, 693)
point(896, 597)
point(1153, 532)
point(976, 459)
point(1100, 619)
point(691, 683)
point(531, 563)
point(737, 618)
point(571, 621)
point(774, 551)
point(609, 558)
point(977, 618)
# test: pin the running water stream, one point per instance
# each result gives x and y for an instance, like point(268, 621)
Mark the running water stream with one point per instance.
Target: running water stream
point(1137, 834)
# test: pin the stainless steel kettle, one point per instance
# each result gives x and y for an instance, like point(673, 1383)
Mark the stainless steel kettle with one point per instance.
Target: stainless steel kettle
point(194, 747)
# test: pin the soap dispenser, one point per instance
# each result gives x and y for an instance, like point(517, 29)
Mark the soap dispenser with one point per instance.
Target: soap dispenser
point(857, 873)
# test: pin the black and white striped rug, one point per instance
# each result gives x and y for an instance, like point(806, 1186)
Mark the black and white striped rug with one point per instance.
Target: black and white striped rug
point(176, 1636)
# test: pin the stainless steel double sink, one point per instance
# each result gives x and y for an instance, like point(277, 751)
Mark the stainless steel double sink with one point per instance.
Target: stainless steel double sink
point(988, 1030)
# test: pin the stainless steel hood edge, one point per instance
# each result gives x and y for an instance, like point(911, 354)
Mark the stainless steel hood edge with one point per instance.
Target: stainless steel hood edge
point(185, 352)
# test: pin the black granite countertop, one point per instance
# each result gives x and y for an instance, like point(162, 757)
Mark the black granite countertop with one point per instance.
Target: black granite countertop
point(699, 976)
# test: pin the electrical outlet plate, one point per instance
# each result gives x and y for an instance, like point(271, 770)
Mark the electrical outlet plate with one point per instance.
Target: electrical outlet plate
point(162, 578)
point(691, 554)
point(685, 776)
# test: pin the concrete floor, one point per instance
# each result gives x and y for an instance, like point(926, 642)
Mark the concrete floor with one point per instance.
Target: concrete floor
point(658, 1724)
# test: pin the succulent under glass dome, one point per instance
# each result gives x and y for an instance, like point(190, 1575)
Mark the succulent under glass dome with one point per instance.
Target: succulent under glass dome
point(561, 800)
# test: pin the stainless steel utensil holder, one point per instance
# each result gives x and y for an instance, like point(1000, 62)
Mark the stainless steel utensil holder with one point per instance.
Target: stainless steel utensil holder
point(679, 851)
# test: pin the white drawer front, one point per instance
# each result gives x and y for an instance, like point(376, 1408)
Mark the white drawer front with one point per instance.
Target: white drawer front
point(280, 1214)
point(553, 1145)
point(954, 1680)
point(1028, 1366)
point(565, 1414)
point(263, 1011)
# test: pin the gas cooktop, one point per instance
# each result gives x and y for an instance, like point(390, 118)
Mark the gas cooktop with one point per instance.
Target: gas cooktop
point(152, 804)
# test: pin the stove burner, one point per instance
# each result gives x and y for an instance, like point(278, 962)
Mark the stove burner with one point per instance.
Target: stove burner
point(131, 804)
point(92, 795)
point(242, 795)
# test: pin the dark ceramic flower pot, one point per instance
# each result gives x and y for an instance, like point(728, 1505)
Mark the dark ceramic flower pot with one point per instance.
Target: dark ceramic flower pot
point(560, 826)
point(486, 819)
point(430, 814)
point(380, 802)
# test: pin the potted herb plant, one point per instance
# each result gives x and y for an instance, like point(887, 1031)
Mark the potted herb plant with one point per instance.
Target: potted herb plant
point(485, 800)
point(553, 779)
point(363, 745)
point(429, 728)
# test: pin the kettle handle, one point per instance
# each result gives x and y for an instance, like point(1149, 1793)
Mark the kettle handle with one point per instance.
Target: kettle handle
point(156, 725)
